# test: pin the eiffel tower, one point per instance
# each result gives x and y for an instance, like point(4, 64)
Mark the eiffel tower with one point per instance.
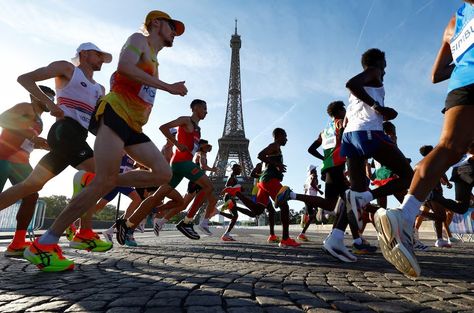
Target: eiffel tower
point(233, 146)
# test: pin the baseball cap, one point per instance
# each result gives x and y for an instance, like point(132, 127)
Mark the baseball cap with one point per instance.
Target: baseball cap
point(90, 46)
point(311, 168)
point(178, 25)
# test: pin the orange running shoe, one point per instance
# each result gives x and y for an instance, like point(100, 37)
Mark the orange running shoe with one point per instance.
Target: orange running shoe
point(16, 249)
point(302, 237)
point(227, 237)
point(290, 242)
point(273, 239)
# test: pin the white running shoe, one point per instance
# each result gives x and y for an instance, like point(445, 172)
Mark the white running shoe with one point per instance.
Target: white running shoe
point(396, 242)
point(109, 235)
point(355, 203)
point(441, 243)
point(337, 249)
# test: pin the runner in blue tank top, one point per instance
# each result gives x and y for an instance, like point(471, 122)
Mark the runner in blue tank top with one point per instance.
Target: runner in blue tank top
point(455, 61)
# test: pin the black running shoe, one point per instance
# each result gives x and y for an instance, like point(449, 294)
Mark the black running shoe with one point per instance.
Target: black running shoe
point(122, 230)
point(188, 230)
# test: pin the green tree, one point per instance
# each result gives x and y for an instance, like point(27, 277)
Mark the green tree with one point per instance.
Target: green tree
point(55, 205)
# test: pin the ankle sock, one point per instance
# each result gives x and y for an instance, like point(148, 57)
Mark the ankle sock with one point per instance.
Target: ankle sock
point(410, 208)
point(48, 238)
point(337, 234)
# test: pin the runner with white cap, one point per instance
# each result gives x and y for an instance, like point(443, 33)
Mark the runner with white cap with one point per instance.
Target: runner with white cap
point(77, 94)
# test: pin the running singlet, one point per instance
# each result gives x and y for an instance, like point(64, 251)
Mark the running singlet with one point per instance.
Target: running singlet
point(462, 48)
point(270, 171)
point(331, 144)
point(191, 140)
point(79, 97)
point(361, 116)
point(14, 147)
point(131, 100)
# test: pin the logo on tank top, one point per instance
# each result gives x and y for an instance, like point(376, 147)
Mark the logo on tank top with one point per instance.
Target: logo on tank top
point(83, 84)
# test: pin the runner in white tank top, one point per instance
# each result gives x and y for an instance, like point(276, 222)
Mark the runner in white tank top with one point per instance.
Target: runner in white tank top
point(66, 138)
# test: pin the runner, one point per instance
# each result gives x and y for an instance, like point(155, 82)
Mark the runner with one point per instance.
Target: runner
point(230, 202)
point(77, 95)
point(187, 144)
point(312, 188)
point(454, 62)
point(332, 173)
point(21, 126)
point(170, 209)
point(118, 123)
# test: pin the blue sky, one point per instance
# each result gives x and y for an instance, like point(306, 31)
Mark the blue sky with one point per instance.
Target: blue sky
point(296, 57)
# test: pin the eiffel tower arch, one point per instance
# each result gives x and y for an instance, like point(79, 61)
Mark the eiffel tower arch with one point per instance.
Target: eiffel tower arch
point(233, 146)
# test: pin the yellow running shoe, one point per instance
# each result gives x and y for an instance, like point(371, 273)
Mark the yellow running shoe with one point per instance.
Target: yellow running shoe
point(48, 258)
point(90, 243)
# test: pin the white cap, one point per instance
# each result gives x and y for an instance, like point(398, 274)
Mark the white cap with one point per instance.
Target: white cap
point(311, 168)
point(173, 130)
point(90, 46)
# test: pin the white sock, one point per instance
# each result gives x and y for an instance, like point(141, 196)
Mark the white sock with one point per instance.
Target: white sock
point(292, 195)
point(410, 208)
point(338, 234)
point(358, 241)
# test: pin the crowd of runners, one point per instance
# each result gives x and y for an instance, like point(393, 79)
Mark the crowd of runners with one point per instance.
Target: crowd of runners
point(361, 162)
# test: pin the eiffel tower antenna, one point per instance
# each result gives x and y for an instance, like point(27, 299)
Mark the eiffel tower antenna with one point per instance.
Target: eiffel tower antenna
point(233, 146)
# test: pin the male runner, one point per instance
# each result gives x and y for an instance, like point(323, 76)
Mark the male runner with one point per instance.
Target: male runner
point(454, 62)
point(118, 122)
point(21, 126)
point(77, 94)
point(187, 144)
point(311, 188)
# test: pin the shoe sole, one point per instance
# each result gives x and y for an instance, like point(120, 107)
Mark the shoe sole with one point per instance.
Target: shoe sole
point(14, 254)
point(78, 246)
point(28, 255)
point(392, 248)
point(337, 256)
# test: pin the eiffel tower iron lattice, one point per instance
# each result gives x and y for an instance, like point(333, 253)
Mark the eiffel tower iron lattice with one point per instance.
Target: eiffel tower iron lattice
point(233, 146)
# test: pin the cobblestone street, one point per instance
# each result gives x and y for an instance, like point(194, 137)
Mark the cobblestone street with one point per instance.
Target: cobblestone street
point(174, 274)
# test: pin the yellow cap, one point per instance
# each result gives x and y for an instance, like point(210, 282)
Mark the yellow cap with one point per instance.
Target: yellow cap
point(178, 25)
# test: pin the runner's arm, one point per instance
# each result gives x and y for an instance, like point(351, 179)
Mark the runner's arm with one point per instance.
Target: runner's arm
point(313, 149)
point(443, 65)
point(165, 129)
point(58, 70)
point(129, 59)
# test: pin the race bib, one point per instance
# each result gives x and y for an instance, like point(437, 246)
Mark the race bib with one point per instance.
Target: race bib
point(463, 41)
point(27, 146)
point(147, 94)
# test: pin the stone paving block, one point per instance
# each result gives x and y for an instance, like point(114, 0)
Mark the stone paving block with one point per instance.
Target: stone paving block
point(349, 306)
point(443, 306)
point(416, 297)
point(331, 296)
point(320, 310)
point(203, 300)
point(283, 309)
point(312, 303)
point(230, 293)
point(50, 306)
point(168, 309)
point(205, 309)
point(238, 302)
point(87, 306)
point(171, 294)
point(246, 309)
point(273, 300)
point(387, 307)
point(129, 302)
